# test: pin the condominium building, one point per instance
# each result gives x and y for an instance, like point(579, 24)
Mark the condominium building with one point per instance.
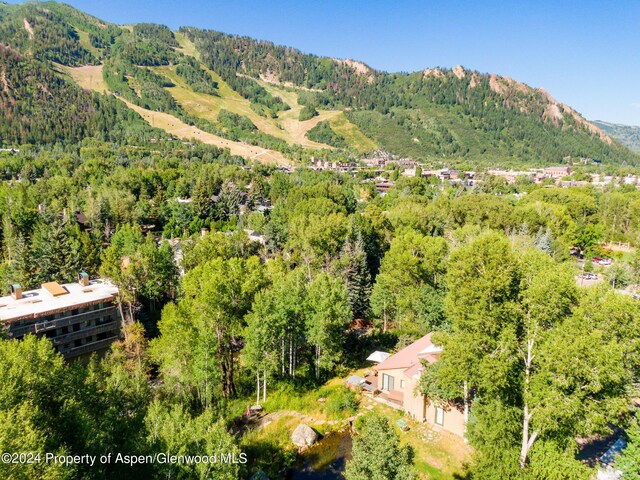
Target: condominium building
point(79, 318)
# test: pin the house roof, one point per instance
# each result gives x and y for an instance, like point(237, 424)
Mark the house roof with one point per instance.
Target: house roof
point(355, 380)
point(414, 370)
point(378, 356)
point(49, 299)
point(410, 357)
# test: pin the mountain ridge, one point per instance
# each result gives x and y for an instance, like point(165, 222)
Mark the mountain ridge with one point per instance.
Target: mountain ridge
point(628, 135)
point(447, 115)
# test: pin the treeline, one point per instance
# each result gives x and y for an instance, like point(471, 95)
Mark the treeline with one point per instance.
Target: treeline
point(153, 32)
point(47, 109)
point(198, 79)
point(430, 116)
point(227, 62)
point(323, 133)
point(250, 57)
point(43, 33)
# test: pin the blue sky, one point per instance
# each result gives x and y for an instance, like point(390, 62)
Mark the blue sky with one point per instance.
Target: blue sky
point(585, 53)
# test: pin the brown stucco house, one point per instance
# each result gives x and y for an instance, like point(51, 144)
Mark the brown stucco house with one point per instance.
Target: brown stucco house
point(397, 379)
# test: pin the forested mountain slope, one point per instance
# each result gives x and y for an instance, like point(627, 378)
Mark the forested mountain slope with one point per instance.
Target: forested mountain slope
point(281, 99)
point(627, 135)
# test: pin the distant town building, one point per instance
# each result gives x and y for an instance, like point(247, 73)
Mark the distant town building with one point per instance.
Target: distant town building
point(557, 172)
point(79, 318)
point(384, 187)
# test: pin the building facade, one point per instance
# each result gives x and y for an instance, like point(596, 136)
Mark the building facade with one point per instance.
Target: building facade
point(398, 377)
point(79, 318)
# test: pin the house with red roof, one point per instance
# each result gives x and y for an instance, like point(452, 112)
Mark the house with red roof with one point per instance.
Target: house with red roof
point(398, 377)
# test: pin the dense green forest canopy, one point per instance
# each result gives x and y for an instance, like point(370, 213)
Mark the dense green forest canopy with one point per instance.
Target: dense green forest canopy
point(333, 250)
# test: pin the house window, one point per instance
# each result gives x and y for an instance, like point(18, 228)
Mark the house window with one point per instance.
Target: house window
point(387, 382)
point(439, 416)
point(402, 384)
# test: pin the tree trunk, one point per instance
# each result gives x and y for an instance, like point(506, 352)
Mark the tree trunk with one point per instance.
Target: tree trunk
point(225, 355)
point(466, 404)
point(258, 389)
point(527, 440)
point(384, 317)
point(290, 355)
point(206, 380)
point(122, 319)
point(466, 409)
point(293, 354)
point(230, 374)
point(264, 386)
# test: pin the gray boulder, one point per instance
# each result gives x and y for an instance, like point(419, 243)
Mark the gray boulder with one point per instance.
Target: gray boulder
point(304, 436)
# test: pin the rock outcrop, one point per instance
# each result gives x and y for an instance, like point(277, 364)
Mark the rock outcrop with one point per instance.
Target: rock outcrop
point(304, 436)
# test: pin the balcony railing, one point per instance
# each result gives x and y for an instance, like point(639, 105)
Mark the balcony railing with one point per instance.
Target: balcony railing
point(41, 327)
point(87, 348)
point(86, 332)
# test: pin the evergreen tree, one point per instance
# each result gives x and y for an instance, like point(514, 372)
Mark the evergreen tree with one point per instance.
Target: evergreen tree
point(543, 241)
point(356, 275)
point(377, 454)
point(56, 256)
point(230, 198)
point(21, 264)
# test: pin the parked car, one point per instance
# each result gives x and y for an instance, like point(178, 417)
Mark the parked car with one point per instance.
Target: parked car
point(602, 261)
point(588, 276)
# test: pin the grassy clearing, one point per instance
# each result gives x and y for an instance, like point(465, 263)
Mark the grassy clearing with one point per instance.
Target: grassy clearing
point(352, 134)
point(439, 455)
point(178, 128)
point(186, 46)
point(83, 38)
point(270, 449)
point(88, 77)
point(287, 127)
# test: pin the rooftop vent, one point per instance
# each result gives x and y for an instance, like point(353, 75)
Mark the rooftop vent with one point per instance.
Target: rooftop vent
point(83, 279)
point(54, 289)
point(16, 291)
